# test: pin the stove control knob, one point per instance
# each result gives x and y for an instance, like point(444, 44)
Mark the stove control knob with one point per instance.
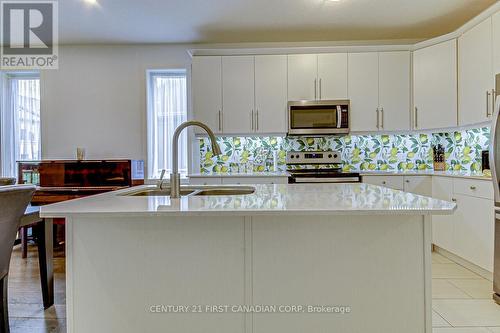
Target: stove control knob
point(297, 156)
point(330, 156)
point(335, 155)
point(291, 156)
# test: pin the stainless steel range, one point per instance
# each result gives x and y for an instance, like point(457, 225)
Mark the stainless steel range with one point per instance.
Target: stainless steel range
point(318, 167)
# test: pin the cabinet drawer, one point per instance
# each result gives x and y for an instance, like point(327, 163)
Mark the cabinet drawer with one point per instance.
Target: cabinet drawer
point(474, 188)
point(205, 181)
point(254, 180)
point(394, 182)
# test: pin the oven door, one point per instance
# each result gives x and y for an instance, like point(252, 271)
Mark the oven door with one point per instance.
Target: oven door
point(318, 117)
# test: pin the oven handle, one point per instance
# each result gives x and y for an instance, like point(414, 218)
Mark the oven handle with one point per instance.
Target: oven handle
point(339, 116)
point(328, 180)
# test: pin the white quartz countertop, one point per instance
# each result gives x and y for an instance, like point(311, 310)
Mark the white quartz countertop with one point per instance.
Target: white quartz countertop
point(459, 174)
point(256, 174)
point(293, 199)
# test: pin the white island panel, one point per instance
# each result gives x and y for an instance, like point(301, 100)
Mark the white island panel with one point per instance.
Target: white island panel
point(375, 267)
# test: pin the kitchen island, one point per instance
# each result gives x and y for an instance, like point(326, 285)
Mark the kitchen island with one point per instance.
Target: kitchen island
point(286, 258)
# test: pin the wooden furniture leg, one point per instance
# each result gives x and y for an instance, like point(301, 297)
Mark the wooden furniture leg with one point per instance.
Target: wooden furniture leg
point(4, 313)
point(45, 258)
point(24, 242)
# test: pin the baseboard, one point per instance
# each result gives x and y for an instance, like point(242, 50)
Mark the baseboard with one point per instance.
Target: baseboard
point(462, 262)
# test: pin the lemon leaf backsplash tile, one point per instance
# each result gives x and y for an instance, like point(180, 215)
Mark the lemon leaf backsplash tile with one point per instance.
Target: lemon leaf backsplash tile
point(396, 152)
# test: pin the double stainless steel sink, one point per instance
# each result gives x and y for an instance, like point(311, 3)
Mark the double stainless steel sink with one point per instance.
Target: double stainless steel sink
point(194, 191)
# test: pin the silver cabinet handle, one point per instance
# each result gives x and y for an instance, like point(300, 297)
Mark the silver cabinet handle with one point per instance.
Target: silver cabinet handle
point(382, 118)
point(453, 199)
point(257, 120)
point(493, 95)
point(407, 181)
point(220, 120)
point(315, 88)
point(384, 182)
point(320, 89)
point(252, 120)
point(487, 104)
point(416, 117)
point(473, 188)
point(378, 119)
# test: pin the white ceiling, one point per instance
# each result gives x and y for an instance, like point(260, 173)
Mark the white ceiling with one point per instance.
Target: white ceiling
point(220, 21)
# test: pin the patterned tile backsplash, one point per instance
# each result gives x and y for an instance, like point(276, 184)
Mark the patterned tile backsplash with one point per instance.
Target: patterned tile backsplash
point(359, 152)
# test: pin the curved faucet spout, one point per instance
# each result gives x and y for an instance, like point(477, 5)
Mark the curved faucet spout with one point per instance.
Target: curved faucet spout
point(175, 181)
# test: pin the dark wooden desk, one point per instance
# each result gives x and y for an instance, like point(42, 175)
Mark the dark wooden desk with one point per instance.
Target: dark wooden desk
point(44, 235)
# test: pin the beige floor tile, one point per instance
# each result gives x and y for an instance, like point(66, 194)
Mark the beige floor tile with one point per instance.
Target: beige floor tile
point(468, 312)
point(438, 321)
point(460, 330)
point(443, 289)
point(474, 288)
point(452, 271)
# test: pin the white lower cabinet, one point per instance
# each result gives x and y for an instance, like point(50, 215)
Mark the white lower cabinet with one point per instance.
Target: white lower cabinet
point(253, 180)
point(442, 225)
point(469, 232)
point(236, 180)
point(394, 182)
point(418, 184)
point(205, 181)
point(415, 184)
point(473, 230)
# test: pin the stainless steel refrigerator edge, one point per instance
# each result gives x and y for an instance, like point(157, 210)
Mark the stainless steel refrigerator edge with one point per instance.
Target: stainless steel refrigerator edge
point(495, 172)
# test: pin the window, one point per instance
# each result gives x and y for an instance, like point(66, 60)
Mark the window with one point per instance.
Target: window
point(167, 109)
point(20, 120)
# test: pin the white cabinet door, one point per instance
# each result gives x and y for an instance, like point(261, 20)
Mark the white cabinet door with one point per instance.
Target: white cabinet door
point(363, 90)
point(238, 94)
point(302, 77)
point(206, 85)
point(205, 181)
point(253, 180)
point(435, 86)
point(332, 76)
point(270, 93)
point(418, 184)
point(473, 232)
point(475, 74)
point(394, 182)
point(394, 91)
point(442, 225)
point(496, 43)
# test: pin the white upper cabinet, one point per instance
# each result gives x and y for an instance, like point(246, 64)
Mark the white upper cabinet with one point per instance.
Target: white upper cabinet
point(496, 43)
point(270, 94)
point(206, 83)
point(238, 94)
point(302, 77)
point(435, 86)
point(363, 91)
point(394, 91)
point(476, 79)
point(332, 76)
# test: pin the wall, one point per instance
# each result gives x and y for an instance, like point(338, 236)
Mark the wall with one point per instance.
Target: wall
point(97, 99)
point(359, 152)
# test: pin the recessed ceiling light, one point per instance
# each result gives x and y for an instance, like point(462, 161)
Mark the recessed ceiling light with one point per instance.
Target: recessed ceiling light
point(91, 2)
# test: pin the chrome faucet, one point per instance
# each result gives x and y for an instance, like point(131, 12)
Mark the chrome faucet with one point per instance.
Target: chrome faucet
point(175, 177)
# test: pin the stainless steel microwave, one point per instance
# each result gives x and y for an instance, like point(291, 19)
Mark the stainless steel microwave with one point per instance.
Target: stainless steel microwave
point(318, 117)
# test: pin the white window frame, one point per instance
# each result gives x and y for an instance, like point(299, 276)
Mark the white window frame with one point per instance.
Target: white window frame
point(150, 73)
point(5, 113)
